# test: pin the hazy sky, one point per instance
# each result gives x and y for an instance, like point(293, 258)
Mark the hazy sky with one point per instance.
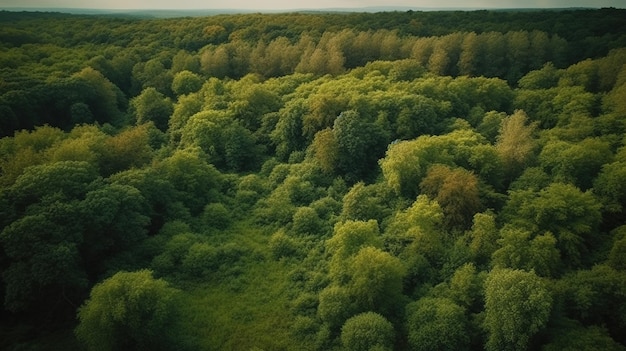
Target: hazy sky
point(303, 4)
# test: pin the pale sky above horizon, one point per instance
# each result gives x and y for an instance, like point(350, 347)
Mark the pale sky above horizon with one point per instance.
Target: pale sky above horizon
point(303, 4)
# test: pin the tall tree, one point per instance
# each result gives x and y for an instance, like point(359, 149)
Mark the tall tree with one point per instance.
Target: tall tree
point(515, 143)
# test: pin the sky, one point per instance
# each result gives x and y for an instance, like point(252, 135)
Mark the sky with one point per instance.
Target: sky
point(304, 4)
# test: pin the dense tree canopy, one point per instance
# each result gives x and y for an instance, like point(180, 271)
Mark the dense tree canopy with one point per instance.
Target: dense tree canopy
point(313, 181)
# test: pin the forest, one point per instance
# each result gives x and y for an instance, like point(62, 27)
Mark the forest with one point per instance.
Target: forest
point(451, 180)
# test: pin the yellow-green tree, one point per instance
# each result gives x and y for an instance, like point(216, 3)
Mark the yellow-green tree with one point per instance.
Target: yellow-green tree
point(515, 143)
point(130, 310)
point(437, 324)
point(517, 306)
point(367, 331)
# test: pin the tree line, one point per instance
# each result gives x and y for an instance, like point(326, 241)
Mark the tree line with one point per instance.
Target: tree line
point(41, 70)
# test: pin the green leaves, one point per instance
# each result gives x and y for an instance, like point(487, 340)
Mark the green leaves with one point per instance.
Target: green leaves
point(562, 209)
point(578, 163)
point(376, 279)
point(349, 237)
point(518, 251)
point(517, 306)
point(515, 143)
point(68, 178)
point(152, 106)
point(65, 222)
point(437, 324)
point(359, 144)
point(367, 331)
point(128, 311)
point(186, 82)
point(456, 191)
point(596, 296)
point(407, 162)
point(44, 261)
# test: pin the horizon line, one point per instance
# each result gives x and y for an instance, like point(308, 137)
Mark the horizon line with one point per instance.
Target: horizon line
point(407, 8)
point(203, 12)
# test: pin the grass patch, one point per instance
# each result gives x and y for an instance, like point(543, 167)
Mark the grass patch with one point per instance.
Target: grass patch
point(248, 311)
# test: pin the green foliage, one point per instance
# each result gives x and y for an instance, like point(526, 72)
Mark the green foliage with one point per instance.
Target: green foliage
point(152, 106)
point(367, 331)
point(375, 279)
point(174, 253)
point(456, 191)
point(609, 186)
point(195, 181)
point(217, 216)
point(407, 162)
point(131, 148)
point(466, 286)
point(562, 209)
point(43, 243)
point(418, 227)
point(544, 78)
point(576, 163)
point(128, 310)
point(617, 255)
point(348, 239)
point(517, 306)
point(518, 251)
point(239, 155)
point(483, 236)
point(584, 339)
point(366, 202)
point(306, 221)
point(116, 216)
point(186, 82)
point(326, 150)
point(515, 143)
point(43, 261)
point(490, 124)
point(437, 324)
point(281, 245)
point(595, 297)
point(335, 306)
point(360, 144)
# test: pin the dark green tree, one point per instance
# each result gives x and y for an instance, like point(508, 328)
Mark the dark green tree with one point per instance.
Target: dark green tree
point(152, 106)
point(360, 144)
